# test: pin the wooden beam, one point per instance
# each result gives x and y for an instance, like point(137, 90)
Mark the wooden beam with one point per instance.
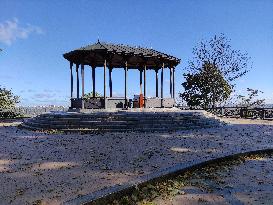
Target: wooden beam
point(71, 80)
point(145, 86)
point(104, 90)
point(125, 82)
point(171, 84)
point(94, 80)
point(140, 80)
point(156, 82)
point(110, 80)
point(82, 75)
point(78, 82)
point(162, 78)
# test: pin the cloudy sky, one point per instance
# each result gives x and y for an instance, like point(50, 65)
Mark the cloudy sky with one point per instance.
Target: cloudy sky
point(35, 34)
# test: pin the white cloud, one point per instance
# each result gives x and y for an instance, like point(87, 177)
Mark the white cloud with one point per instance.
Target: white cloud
point(10, 31)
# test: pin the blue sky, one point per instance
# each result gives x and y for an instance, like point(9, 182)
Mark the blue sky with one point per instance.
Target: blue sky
point(35, 34)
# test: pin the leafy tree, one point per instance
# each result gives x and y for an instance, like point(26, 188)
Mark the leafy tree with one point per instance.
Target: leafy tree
point(206, 88)
point(251, 99)
point(7, 99)
point(90, 95)
point(217, 66)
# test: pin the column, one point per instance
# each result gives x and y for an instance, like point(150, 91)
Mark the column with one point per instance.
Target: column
point(110, 80)
point(156, 82)
point(104, 90)
point(71, 80)
point(171, 84)
point(94, 81)
point(140, 80)
point(140, 87)
point(78, 82)
point(125, 86)
point(145, 86)
point(82, 76)
point(162, 77)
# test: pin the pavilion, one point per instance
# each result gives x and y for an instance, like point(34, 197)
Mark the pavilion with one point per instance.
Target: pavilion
point(119, 56)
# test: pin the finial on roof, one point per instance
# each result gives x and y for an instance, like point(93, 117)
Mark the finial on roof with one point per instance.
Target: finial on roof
point(98, 39)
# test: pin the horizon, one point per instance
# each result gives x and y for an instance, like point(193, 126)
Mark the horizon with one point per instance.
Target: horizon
point(33, 42)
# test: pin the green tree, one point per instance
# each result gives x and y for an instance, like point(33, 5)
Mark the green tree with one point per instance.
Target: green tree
point(251, 99)
point(7, 99)
point(211, 74)
point(206, 88)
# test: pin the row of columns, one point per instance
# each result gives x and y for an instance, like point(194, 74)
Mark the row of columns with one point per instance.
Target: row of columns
point(172, 86)
point(172, 77)
point(82, 77)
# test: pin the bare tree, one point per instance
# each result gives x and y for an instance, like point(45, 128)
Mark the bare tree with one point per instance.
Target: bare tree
point(218, 52)
point(252, 98)
point(225, 66)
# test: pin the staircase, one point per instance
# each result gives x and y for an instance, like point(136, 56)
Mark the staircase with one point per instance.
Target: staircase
point(121, 121)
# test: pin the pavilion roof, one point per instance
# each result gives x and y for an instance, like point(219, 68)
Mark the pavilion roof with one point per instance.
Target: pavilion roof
point(117, 54)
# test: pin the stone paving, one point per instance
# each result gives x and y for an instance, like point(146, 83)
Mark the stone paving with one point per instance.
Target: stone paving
point(250, 182)
point(39, 168)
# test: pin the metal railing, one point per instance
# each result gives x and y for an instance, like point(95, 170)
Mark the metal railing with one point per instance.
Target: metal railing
point(243, 112)
point(237, 112)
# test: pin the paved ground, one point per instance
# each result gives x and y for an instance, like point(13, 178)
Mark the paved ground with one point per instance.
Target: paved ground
point(38, 168)
point(250, 182)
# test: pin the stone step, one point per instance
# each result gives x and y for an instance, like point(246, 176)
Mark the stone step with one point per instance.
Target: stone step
point(95, 122)
point(117, 129)
point(119, 125)
point(122, 115)
point(54, 126)
point(125, 114)
point(121, 118)
point(121, 121)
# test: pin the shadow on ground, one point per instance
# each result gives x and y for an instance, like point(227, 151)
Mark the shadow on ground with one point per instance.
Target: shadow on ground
point(53, 168)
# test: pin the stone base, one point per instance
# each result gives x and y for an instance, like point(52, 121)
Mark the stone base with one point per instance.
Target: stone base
point(119, 102)
point(117, 120)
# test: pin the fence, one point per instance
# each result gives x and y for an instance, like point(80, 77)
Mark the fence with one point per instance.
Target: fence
point(239, 112)
point(243, 112)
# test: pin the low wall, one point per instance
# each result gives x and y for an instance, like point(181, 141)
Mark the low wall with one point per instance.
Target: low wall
point(168, 102)
point(157, 102)
point(115, 102)
point(119, 102)
point(94, 103)
point(98, 103)
point(76, 103)
point(33, 111)
point(153, 102)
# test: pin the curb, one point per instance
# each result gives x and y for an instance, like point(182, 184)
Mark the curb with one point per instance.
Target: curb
point(104, 195)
